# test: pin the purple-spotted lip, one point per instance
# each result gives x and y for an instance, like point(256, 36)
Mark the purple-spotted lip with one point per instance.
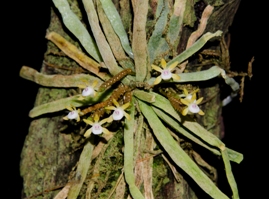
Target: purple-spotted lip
point(194, 108)
point(166, 74)
point(118, 114)
point(97, 129)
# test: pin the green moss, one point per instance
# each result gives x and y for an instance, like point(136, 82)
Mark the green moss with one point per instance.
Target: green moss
point(75, 7)
point(166, 180)
point(159, 173)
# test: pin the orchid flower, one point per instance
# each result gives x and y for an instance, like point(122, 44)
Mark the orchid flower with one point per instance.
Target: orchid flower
point(96, 128)
point(118, 112)
point(192, 105)
point(166, 72)
point(88, 90)
point(73, 114)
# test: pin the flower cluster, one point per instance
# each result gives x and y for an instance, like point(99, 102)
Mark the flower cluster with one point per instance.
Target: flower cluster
point(118, 114)
point(188, 99)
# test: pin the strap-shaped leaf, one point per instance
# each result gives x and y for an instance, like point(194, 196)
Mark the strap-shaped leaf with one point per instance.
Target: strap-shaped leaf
point(177, 154)
point(100, 38)
point(229, 173)
point(144, 96)
point(210, 139)
point(55, 106)
point(195, 128)
point(139, 40)
point(176, 20)
point(179, 128)
point(195, 47)
point(115, 20)
point(61, 104)
point(210, 73)
point(84, 164)
point(128, 155)
point(73, 52)
point(157, 45)
point(203, 75)
point(64, 81)
point(75, 26)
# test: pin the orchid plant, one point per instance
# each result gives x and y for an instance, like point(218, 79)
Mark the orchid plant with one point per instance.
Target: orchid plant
point(137, 102)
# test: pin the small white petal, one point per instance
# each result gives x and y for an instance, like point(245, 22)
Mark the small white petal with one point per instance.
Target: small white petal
point(166, 74)
point(118, 114)
point(72, 115)
point(97, 129)
point(87, 91)
point(194, 108)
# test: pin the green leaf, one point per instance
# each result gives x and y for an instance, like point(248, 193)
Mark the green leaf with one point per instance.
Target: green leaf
point(64, 81)
point(61, 104)
point(183, 131)
point(139, 40)
point(115, 20)
point(83, 166)
point(196, 129)
point(205, 135)
point(234, 155)
point(129, 153)
point(100, 38)
point(75, 26)
point(144, 96)
point(195, 47)
point(198, 76)
point(176, 21)
point(178, 155)
point(157, 45)
point(229, 173)
point(203, 75)
point(164, 104)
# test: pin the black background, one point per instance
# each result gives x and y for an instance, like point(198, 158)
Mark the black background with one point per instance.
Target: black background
point(245, 123)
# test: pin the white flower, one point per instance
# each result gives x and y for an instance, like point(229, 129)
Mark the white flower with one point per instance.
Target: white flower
point(166, 73)
point(118, 112)
point(96, 128)
point(88, 90)
point(73, 114)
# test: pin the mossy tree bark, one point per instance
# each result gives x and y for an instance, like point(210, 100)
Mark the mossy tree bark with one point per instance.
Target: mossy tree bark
point(52, 147)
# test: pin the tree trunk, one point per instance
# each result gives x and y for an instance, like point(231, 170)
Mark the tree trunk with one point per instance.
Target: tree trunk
point(58, 159)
